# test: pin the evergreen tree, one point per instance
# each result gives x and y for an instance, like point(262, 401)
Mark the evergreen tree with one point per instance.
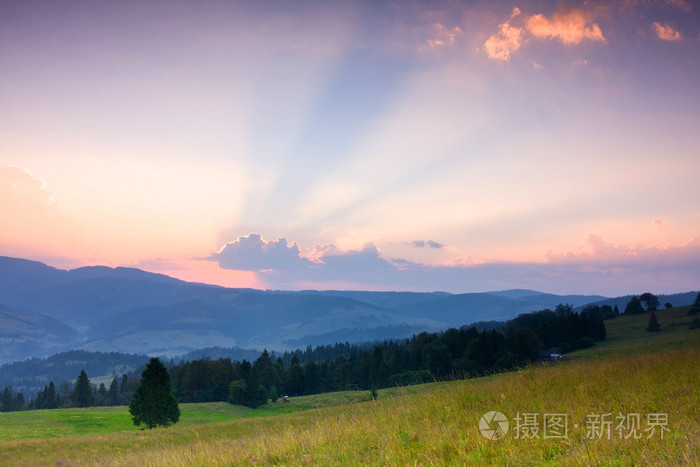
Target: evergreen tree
point(6, 400)
point(438, 359)
point(125, 381)
point(153, 402)
point(256, 393)
point(696, 306)
point(50, 398)
point(238, 392)
point(101, 397)
point(312, 378)
point(294, 382)
point(634, 306)
point(653, 325)
point(82, 395)
point(113, 393)
point(19, 401)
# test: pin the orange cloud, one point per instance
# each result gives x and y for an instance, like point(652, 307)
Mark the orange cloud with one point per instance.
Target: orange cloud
point(666, 32)
point(507, 41)
point(443, 35)
point(570, 27)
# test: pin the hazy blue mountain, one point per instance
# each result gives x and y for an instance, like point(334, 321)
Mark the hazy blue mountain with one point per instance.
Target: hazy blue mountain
point(515, 293)
point(386, 300)
point(243, 320)
point(133, 311)
point(460, 309)
point(81, 296)
point(24, 335)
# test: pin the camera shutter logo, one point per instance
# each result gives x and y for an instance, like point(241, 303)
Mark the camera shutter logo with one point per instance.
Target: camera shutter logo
point(493, 425)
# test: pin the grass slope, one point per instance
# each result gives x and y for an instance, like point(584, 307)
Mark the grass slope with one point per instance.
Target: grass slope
point(627, 334)
point(425, 425)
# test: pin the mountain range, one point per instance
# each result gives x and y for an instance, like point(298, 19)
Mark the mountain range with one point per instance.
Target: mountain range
point(44, 310)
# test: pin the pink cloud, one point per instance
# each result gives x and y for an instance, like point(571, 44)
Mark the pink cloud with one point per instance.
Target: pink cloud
point(507, 41)
point(569, 27)
point(444, 36)
point(666, 32)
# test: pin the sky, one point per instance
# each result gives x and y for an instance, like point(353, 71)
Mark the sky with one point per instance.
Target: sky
point(460, 146)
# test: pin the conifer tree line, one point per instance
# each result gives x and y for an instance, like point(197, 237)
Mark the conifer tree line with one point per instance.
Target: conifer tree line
point(81, 394)
point(455, 353)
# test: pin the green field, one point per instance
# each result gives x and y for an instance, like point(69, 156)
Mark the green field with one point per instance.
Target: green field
point(653, 376)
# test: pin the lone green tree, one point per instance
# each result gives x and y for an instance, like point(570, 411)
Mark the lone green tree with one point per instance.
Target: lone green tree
point(653, 324)
point(153, 402)
point(651, 301)
point(82, 392)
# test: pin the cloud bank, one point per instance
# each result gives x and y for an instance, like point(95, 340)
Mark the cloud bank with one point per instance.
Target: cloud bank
point(252, 253)
point(597, 267)
point(568, 26)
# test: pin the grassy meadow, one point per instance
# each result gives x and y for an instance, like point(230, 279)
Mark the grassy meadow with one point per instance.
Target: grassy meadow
point(627, 334)
point(634, 373)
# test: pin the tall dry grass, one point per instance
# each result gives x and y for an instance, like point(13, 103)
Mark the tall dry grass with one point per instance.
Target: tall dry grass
point(438, 426)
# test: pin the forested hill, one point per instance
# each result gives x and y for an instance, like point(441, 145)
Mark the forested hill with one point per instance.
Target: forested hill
point(28, 375)
point(422, 358)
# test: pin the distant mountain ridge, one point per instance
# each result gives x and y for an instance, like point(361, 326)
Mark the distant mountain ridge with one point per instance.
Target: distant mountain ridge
point(21, 335)
point(133, 311)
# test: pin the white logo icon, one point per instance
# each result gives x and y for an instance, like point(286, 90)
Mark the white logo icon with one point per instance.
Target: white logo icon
point(493, 425)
